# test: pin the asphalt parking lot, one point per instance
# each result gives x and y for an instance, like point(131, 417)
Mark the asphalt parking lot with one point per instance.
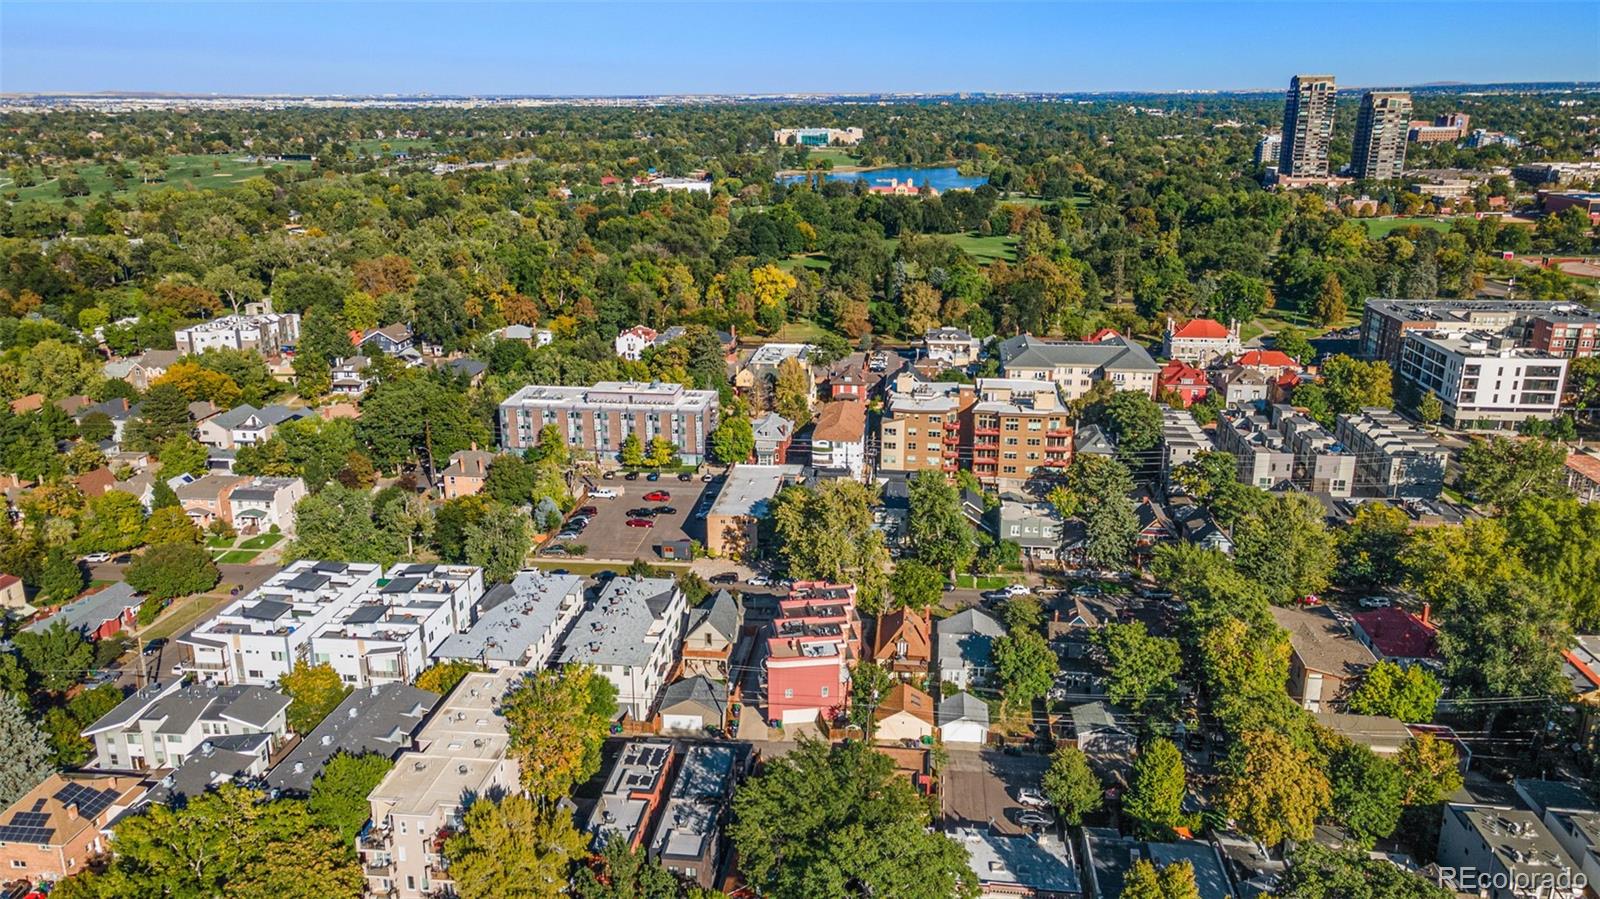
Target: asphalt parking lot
point(609, 536)
point(980, 787)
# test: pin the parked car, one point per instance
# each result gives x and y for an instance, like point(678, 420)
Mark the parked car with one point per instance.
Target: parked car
point(657, 496)
point(727, 577)
point(666, 510)
point(707, 477)
point(685, 476)
point(97, 558)
point(1032, 798)
point(603, 493)
point(642, 512)
point(631, 476)
point(1086, 590)
point(1034, 819)
point(640, 523)
point(610, 476)
point(1016, 590)
point(589, 511)
point(758, 580)
point(1310, 600)
point(653, 476)
point(1375, 602)
point(154, 646)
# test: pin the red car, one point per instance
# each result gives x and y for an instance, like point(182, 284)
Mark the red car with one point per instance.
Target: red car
point(657, 496)
point(640, 523)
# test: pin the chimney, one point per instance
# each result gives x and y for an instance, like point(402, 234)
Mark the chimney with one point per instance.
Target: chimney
point(72, 811)
point(1427, 612)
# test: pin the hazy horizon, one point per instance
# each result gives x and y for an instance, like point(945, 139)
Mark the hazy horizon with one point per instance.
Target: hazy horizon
point(607, 49)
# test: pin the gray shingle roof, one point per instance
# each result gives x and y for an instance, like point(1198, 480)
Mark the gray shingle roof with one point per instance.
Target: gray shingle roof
point(92, 611)
point(963, 707)
point(721, 612)
point(1027, 351)
point(379, 720)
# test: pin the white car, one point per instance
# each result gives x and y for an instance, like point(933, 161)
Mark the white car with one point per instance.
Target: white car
point(1032, 798)
point(97, 558)
point(1375, 602)
point(758, 580)
point(1017, 590)
point(603, 493)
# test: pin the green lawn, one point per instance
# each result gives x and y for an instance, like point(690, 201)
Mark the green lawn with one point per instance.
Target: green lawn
point(799, 332)
point(1382, 227)
point(981, 582)
point(837, 155)
point(220, 542)
point(185, 611)
point(984, 249)
point(183, 172)
point(238, 557)
point(262, 541)
point(815, 261)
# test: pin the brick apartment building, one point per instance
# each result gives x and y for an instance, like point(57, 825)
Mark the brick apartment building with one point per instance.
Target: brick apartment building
point(597, 419)
point(1018, 427)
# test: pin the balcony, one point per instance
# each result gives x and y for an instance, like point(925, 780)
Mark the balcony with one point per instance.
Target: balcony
point(986, 432)
point(951, 438)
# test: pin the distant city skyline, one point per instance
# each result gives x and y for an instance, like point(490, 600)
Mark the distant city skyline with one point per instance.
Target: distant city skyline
point(603, 49)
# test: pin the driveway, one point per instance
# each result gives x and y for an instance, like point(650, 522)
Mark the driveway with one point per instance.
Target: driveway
point(979, 788)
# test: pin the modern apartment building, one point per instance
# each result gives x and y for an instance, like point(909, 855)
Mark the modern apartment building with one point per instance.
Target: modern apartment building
point(1268, 148)
point(597, 419)
point(811, 643)
point(1182, 439)
point(1018, 427)
point(519, 624)
point(688, 838)
point(1074, 366)
point(921, 426)
point(1393, 458)
point(634, 789)
point(258, 637)
point(267, 333)
point(1258, 449)
point(1381, 131)
point(1481, 377)
point(1385, 323)
point(460, 755)
point(389, 634)
point(1321, 462)
point(632, 636)
point(1307, 126)
point(370, 627)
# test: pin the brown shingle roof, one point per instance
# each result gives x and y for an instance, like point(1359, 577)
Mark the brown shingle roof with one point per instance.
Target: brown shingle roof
point(841, 421)
point(908, 699)
point(1322, 643)
point(902, 624)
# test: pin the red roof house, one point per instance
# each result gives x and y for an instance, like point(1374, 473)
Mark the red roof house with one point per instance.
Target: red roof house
point(1183, 379)
point(1396, 635)
point(1201, 341)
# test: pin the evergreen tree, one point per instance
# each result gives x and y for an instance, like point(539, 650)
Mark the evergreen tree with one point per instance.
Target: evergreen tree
point(24, 751)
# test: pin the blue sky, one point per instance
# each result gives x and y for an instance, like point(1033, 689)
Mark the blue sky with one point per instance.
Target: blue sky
point(748, 47)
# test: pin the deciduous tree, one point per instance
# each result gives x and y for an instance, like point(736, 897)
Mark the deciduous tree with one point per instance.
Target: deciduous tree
point(1071, 784)
point(1274, 790)
point(789, 819)
point(513, 848)
point(338, 798)
point(1154, 802)
point(172, 570)
point(314, 692)
point(556, 721)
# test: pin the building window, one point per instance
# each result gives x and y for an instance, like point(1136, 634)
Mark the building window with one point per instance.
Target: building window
point(788, 692)
point(824, 692)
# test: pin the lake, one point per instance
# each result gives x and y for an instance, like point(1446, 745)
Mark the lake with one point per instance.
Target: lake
point(940, 179)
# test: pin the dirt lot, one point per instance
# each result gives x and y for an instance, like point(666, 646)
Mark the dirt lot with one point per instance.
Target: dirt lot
point(981, 787)
point(608, 535)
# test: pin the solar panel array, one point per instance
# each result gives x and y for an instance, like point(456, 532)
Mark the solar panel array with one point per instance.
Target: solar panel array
point(27, 827)
point(90, 802)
